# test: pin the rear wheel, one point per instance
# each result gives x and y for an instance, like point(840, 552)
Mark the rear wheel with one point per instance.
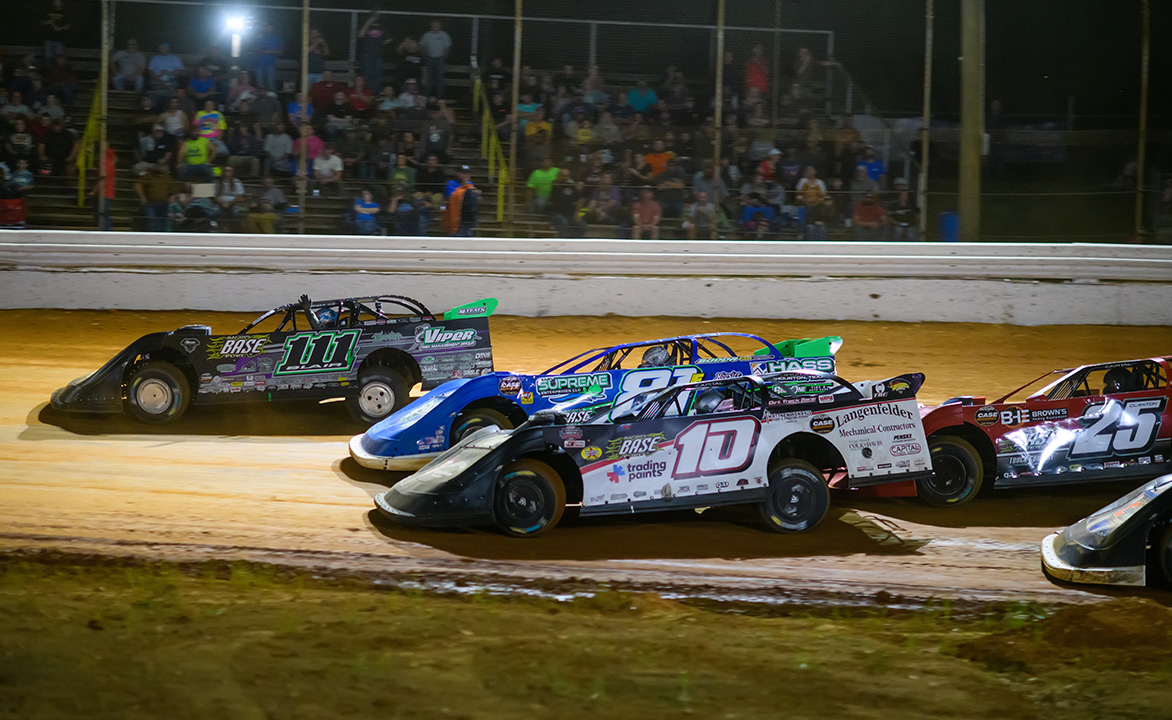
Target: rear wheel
point(470, 421)
point(381, 391)
point(1164, 556)
point(158, 393)
point(797, 498)
point(957, 472)
point(530, 499)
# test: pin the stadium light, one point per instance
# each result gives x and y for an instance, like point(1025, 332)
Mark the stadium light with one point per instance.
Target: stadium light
point(235, 23)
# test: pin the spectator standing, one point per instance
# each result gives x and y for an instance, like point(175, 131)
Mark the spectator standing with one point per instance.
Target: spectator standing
point(269, 49)
point(645, 216)
point(757, 72)
point(56, 26)
point(410, 60)
point(129, 66)
point(319, 50)
point(463, 203)
point(103, 191)
point(61, 79)
point(371, 39)
point(869, 219)
point(153, 187)
point(565, 205)
point(366, 211)
point(540, 185)
point(196, 155)
point(165, 70)
point(436, 45)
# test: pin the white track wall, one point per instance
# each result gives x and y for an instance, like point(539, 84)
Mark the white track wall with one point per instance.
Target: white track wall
point(1015, 284)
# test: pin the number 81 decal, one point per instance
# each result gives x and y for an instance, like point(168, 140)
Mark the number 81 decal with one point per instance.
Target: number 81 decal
point(1120, 429)
point(715, 447)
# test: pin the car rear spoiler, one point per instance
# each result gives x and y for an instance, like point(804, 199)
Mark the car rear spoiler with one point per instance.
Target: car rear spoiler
point(806, 347)
point(480, 308)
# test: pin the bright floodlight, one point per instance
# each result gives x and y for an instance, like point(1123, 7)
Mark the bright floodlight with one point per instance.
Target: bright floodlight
point(235, 23)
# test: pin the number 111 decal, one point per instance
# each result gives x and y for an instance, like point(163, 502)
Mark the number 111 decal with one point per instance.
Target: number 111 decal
point(313, 352)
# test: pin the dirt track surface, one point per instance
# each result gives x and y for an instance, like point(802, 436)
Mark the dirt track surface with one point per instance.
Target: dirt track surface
point(275, 484)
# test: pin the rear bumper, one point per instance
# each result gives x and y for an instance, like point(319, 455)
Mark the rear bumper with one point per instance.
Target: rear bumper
point(1055, 567)
point(382, 462)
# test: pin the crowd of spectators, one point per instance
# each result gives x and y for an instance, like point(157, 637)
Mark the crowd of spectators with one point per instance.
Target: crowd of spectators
point(633, 155)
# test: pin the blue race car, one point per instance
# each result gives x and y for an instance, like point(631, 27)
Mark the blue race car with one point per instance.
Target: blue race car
point(603, 378)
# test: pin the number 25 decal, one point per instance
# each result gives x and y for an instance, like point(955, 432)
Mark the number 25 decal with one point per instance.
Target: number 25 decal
point(318, 352)
point(1121, 428)
point(715, 447)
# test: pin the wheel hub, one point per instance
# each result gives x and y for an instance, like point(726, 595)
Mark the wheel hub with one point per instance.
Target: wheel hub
point(797, 502)
point(947, 475)
point(154, 396)
point(376, 399)
point(523, 501)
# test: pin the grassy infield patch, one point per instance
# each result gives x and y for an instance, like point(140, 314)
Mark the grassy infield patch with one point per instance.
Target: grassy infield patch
point(126, 640)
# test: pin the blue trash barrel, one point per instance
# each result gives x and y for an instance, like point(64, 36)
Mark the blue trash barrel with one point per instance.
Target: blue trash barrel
point(949, 224)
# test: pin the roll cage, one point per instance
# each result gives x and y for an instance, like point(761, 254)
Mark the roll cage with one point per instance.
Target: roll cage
point(682, 350)
point(350, 312)
point(1145, 374)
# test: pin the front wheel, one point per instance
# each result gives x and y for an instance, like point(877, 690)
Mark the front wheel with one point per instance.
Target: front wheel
point(381, 391)
point(158, 393)
point(530, 499)
point(797, 498)
point(957, 472)
point(470, 421)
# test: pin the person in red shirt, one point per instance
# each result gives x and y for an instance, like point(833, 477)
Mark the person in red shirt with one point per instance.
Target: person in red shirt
point(757, 71)
point(869, 219)
point(646, 215)
point(321, 94)
point(360, 98)
point(768, 166)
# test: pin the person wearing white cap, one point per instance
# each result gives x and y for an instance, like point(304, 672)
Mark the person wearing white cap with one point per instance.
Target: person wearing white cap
point(155, 149)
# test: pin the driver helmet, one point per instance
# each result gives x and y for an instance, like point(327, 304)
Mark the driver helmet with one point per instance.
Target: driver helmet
point(708, 401)
point(1116, 380)
point(655, 357)
point(326, 318)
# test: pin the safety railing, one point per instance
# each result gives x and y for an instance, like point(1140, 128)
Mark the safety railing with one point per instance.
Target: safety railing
point(490, 142)
point(93, 132)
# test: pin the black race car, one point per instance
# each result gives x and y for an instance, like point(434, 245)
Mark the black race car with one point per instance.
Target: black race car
point(1129, 542)
point(369, 350)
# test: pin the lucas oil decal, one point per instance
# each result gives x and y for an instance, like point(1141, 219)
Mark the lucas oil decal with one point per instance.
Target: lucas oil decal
point(239, 346)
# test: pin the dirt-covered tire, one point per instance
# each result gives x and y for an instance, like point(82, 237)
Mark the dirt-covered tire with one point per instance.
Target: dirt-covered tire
point(1164, 557)
point(957, 472)
point(157, 393)
point(380, 392)
point(472, 420)
point(797, 498)
point(529, 499)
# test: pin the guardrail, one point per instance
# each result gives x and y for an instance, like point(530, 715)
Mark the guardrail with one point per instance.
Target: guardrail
point(513, 256)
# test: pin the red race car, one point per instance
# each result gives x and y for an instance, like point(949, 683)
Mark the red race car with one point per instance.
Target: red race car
point(1096, 422)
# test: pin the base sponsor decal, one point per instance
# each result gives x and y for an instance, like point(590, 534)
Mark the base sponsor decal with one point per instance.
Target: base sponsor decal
point(635, 445)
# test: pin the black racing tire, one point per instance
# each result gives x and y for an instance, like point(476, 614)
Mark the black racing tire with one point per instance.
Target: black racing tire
point(1164, 557)
point(472, 420)
point(797, 498)
point(158, 393)
point(530, 499)
point(380, 392)
point(957, 472)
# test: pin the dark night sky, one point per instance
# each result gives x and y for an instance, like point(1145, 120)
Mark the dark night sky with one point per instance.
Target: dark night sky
point(1038, 52)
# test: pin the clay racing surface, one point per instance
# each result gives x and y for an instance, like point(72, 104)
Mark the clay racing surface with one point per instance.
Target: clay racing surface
point(275, 484)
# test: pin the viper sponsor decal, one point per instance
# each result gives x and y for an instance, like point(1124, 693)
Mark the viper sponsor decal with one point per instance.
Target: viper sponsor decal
point(237, 346)
point(437, 337)
point(636, 445)
point(557, 385)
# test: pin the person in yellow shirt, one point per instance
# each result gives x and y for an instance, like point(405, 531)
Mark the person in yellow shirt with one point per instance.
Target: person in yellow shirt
point(538, 125)
point(209, 123)
point(196, 153)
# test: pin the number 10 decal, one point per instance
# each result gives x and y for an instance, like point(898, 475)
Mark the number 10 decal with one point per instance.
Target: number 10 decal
point(715, 447)
point(313, 352)
point(1119, 429)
